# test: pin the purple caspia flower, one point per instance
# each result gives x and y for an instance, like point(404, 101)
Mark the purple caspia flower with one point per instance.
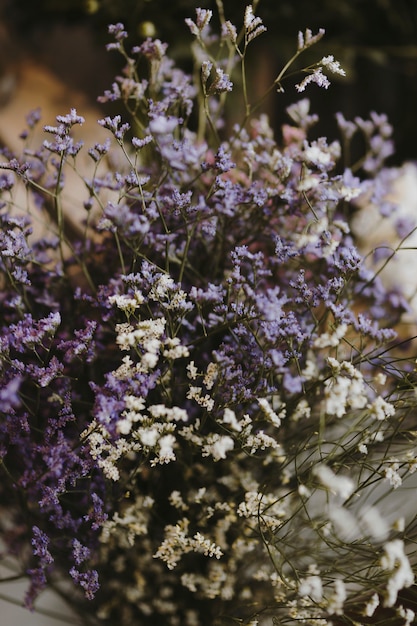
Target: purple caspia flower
point(80, 553)
point(118, 31)
point(292, 384)
point(40, 543)
point(115, 126)
point(221, 82)
point(161, 125)
point(38, 582)
point(87, 580)
point(9, 395)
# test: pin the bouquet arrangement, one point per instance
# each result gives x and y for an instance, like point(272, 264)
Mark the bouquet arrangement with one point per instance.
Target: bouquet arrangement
point(205, 410)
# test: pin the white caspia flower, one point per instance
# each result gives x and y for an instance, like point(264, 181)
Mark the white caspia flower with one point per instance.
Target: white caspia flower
point(342, 486)
point(396, 561)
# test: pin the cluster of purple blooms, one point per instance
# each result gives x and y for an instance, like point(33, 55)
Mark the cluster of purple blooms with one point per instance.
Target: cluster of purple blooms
point(176, 376)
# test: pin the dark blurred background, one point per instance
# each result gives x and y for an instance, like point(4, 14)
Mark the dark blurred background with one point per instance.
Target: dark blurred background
point(375, 40)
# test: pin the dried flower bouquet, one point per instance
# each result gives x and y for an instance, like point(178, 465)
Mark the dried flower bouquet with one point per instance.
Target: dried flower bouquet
point(205, 415)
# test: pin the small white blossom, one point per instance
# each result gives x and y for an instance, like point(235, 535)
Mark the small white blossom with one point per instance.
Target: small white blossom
point(253, 25)
point(332, 65)
point(211, 375)
point(174, 414)
point(380, 379)
point(260, 441)
point(408, 615)
point(331, 340)
point(126, 370)
point(174, 349)
point(229, 418)
point(148, 436)
point(371, 606)
point(166, 452)
point(218, 446)
point(310, 371)
point(269, 412)
point(304, 491)
point(314, 154)
point(373, 523)
point(311, 586)
point(381, 409)
point(342, 486)
point(177, 543)
point(195, 393)
point(127, 303)
point(302, 410)
point(104, 451)
point(316, 76)
point(308, 39)
point(338, 597)
point(177, 501)
point(192, 371)
point(396, 561)
point(134, 403)
point(391, 473)
point(341, 391)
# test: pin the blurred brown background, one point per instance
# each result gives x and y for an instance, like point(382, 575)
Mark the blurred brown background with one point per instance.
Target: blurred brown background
point(376, 41)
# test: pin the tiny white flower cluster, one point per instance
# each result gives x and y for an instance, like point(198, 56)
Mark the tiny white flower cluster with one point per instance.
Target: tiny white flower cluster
point(372, 605)
point(253, 25)
point(304, 612)
point(316, 75)
point(343, 391)
point(392, 474)
point(177, 543)
point(168, 294)
point(247, 438)
point(408, 615)
point(104, 451)
point(195, 392)
point(396, 562)
point(311, 586)
point(126, 303)
point(270, 413)
point(308, 39)
point(332, 65)
point(266, 508)
point(132, 523)
point(147, 339)
point(331, 340)
point(370, 438)
point(230, 420)
point(301, 411)
point(155, 433)
point(381, 409)
point(218, 583)
point(146, 336)
point(342, 486)
point(217, 446)
point(336, 601)
point(174, 350)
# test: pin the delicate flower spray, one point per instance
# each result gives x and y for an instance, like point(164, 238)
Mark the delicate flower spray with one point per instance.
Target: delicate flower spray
point(204, 418)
